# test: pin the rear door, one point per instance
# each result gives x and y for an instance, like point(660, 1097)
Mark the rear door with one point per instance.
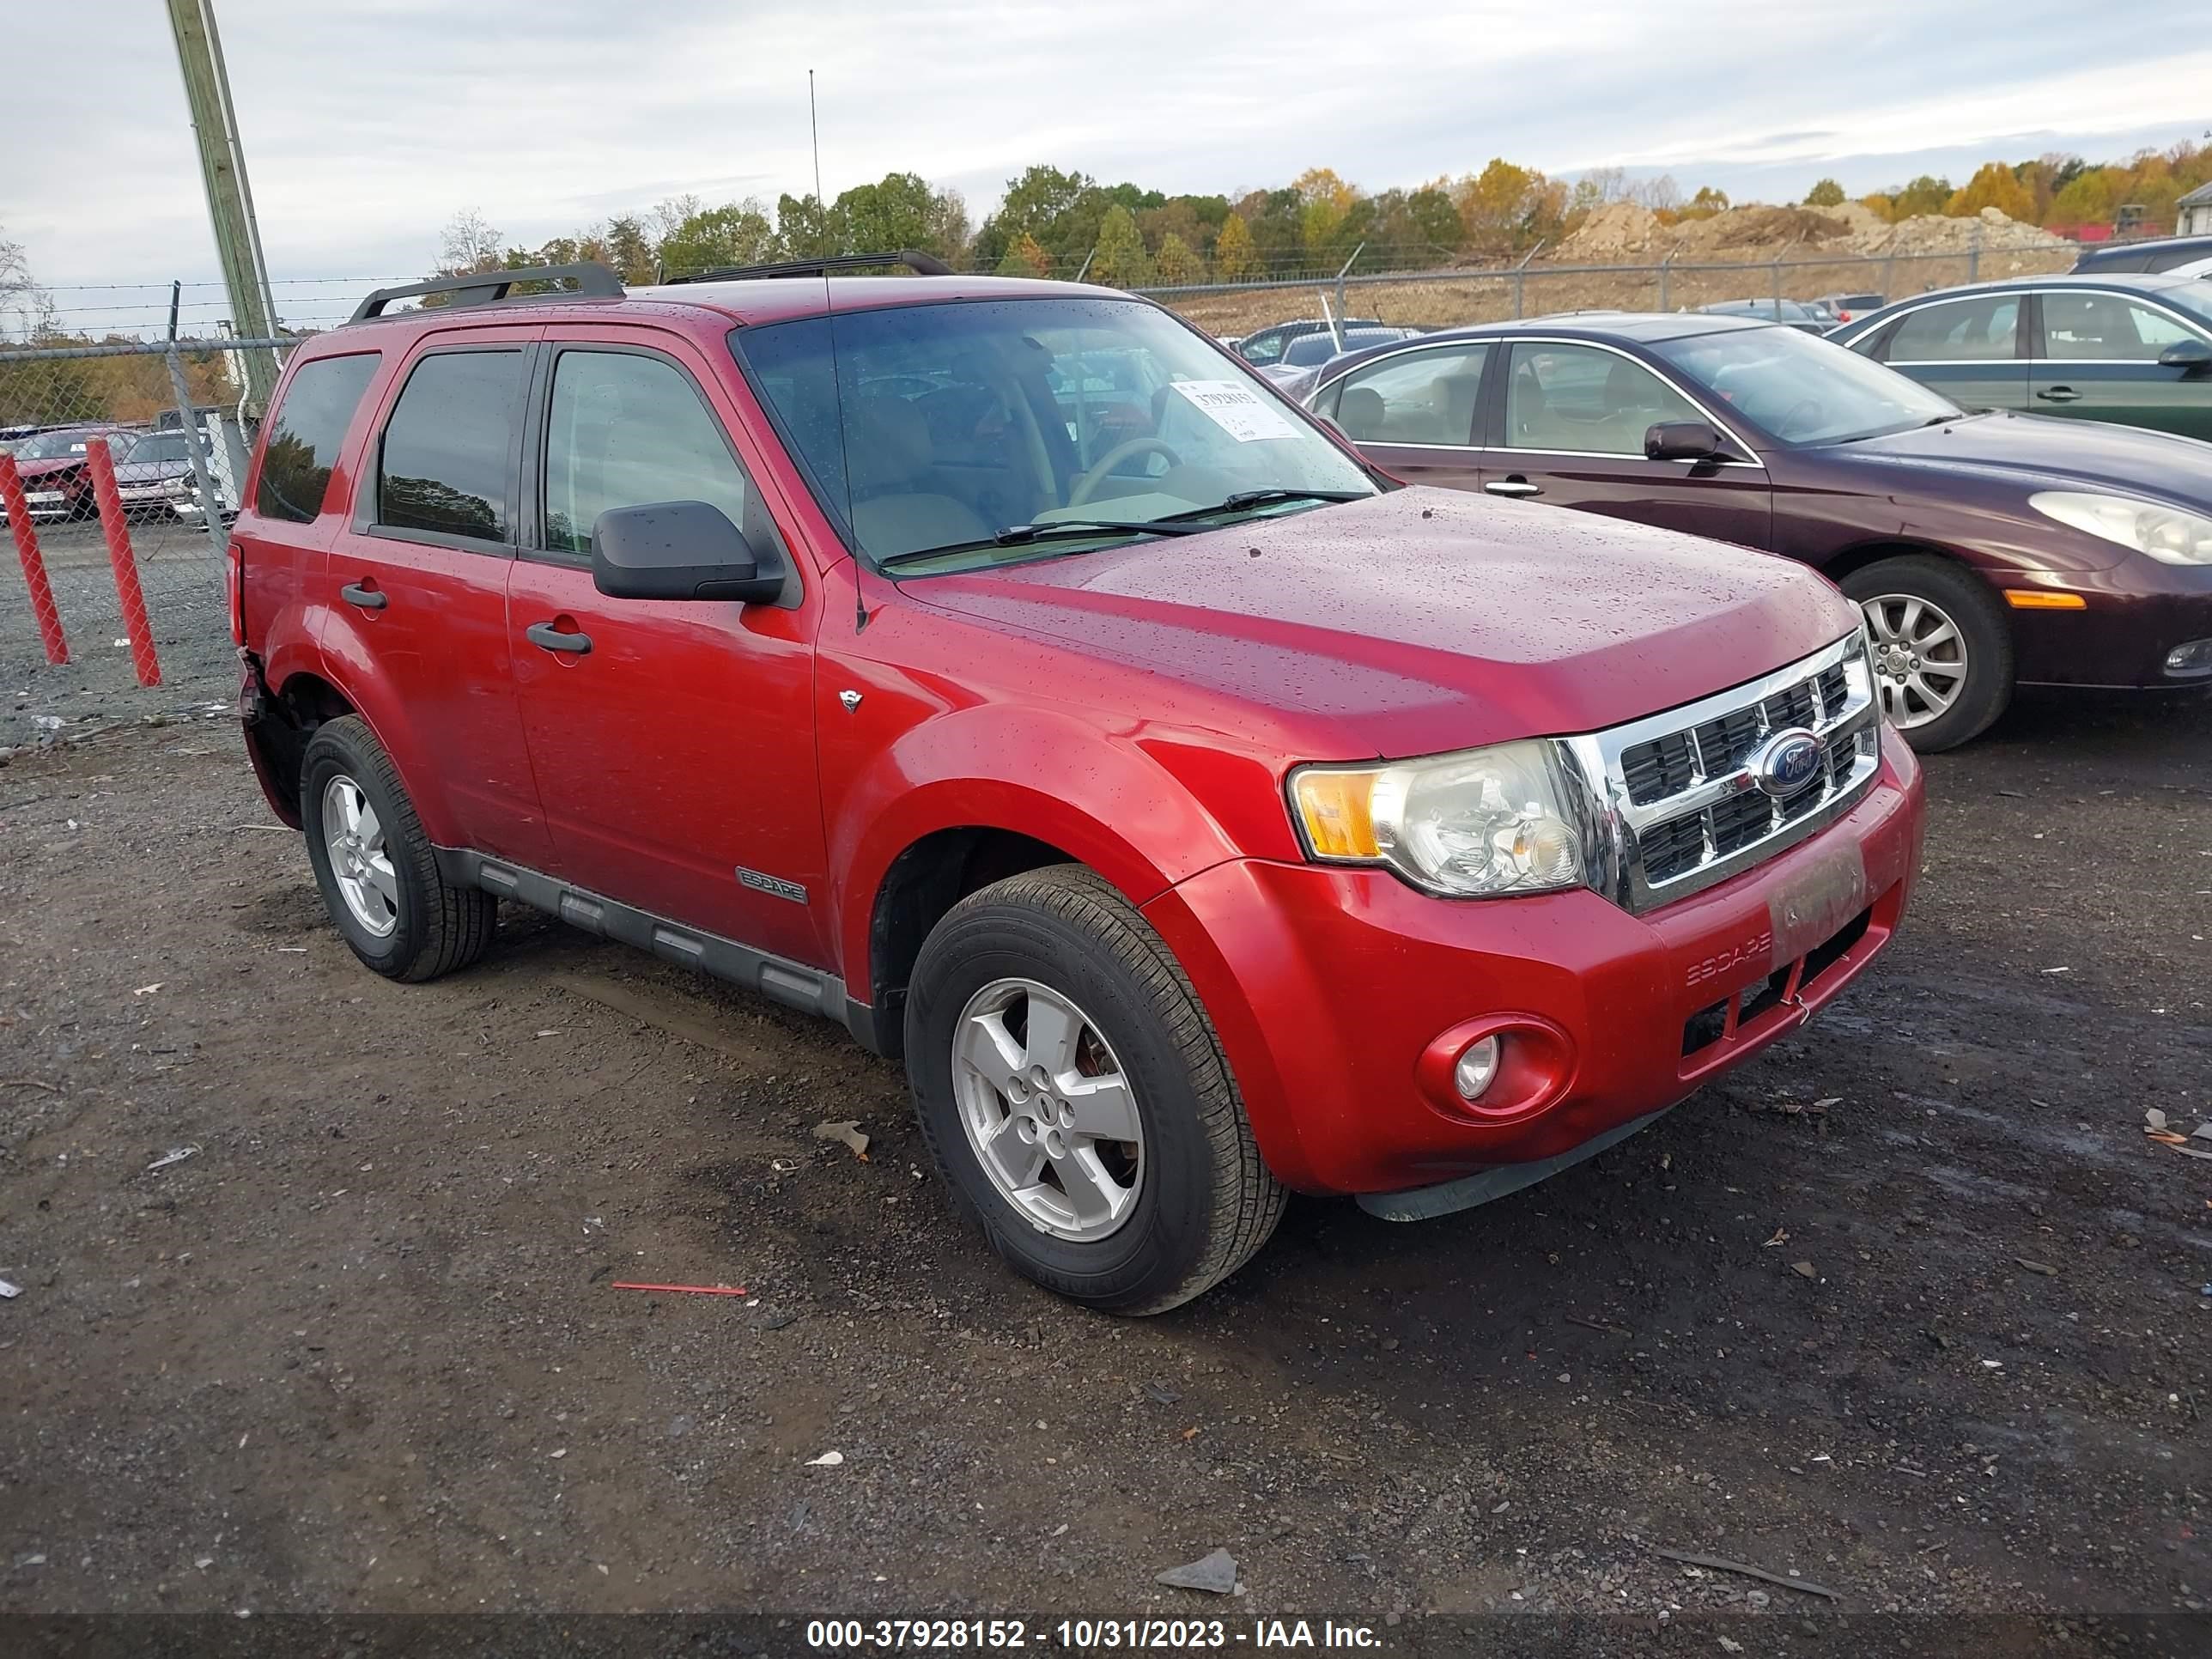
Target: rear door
point(673, 740)
point(1970, 349)
point(2095, 356)
point(415, 589)
point(283, 536)
point(1565, 425)
point(1413, 413)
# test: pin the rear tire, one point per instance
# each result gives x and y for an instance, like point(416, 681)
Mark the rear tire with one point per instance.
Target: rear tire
point(1943, 657)
point(377, 870)
point(1187, 1200)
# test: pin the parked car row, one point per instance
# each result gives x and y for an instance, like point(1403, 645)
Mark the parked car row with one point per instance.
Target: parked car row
point(1204, 795)
point(1986, 548)
point(154, 472)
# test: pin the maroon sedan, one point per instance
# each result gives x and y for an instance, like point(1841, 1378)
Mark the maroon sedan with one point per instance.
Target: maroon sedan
point(1986, 550)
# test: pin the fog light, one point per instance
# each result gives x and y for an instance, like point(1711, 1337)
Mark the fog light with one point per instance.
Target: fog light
point(2193, 657)
point(1476, 1067)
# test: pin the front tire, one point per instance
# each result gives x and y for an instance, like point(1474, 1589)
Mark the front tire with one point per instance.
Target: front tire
point(1943, 658)
point(1075, 1096)
point(377, 870)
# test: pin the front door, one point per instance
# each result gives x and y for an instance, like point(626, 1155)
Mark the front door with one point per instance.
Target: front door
point(414, 590)
point(1413, 412)
point(2097, 359)
point(1566, 429)
point(673, 740)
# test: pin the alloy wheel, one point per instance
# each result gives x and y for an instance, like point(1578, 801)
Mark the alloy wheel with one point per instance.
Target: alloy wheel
point(1920, 663)
point(1049, 1111)
point(360, 864)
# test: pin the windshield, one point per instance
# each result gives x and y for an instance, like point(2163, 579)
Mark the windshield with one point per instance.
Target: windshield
point(1803, 390)
point(154, 451)
point(54, 446)
point(935, 425)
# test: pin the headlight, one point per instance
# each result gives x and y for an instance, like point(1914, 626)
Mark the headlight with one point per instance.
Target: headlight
point(1475, 824)
point(2165, 532)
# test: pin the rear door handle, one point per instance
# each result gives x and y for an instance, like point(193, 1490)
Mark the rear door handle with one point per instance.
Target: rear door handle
point(368, 599)
point(1513, 487)
point(2060, 394)
point(554, 639)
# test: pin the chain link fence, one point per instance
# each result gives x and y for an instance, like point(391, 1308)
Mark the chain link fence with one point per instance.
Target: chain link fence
point(1445, 298)
point(178, 424)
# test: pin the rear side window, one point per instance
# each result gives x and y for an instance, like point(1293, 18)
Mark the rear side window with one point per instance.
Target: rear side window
point(446, 464)
point(305, 434)
point(1980, 330)
point(1423, 397)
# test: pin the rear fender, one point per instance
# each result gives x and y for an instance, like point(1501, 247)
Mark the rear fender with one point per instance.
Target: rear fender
point(349, 665)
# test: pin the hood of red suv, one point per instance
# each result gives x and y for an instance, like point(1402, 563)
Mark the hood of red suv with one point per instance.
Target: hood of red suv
point(1424, 620)
point(47, 468)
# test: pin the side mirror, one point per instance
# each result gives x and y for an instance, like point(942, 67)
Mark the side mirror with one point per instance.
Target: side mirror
point(680, 551)
point(1682, 441)
point(2187, 356)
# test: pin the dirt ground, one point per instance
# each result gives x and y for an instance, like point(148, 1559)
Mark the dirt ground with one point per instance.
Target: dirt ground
point(359, 1351)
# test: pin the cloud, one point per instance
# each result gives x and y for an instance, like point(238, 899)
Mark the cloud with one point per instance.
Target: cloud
point(367, 124)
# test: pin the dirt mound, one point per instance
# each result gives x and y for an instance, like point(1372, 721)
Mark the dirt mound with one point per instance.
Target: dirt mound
point(1934, 233)
point(1615, 234)
point(1759, 227)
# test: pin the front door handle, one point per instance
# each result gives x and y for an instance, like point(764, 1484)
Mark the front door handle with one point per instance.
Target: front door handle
point(554, 639)
point(2060, 394)
point(1513, 486)
point(368, 599)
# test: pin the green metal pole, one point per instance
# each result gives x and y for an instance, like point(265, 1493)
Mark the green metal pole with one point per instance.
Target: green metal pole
point(223, 170)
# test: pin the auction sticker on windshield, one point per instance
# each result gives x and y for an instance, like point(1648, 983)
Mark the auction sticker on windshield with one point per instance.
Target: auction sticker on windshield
point(1237, 409)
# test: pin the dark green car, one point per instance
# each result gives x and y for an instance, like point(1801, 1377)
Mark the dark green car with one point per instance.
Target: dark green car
point(2134, 349)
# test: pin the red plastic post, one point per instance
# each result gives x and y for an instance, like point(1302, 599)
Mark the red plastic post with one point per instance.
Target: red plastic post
point(34, 566)
point(102, 467)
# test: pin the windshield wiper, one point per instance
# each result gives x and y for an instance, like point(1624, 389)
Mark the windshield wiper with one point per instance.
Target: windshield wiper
point(1244, 498)
point(1021, 535)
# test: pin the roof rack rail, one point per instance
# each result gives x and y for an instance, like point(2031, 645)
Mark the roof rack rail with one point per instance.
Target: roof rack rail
point(485, 288)
point(923, 265)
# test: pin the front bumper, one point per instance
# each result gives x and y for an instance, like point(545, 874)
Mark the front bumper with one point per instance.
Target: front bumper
point(2134, 614)
point(1342, 996)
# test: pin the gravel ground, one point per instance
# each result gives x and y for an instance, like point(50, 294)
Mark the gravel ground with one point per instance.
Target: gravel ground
point(1938, 1346)
point(180, 576)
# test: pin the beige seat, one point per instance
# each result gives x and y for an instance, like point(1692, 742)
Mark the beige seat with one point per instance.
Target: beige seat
point(889, 461)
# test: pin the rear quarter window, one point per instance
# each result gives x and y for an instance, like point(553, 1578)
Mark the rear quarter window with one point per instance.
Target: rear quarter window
point(305, 434)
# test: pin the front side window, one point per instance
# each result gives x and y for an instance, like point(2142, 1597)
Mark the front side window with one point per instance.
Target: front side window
point(1962, 331)
point(1422, 398)
point(2087, 327)
point(1579, 400)
point(305, 434)
point(629, 430)
point(939, 426)
point(446, 465)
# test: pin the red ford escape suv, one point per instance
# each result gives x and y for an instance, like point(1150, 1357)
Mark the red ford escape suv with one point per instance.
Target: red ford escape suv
point(1000, 670)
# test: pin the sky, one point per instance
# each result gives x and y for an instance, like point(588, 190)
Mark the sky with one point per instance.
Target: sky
point(368, 124)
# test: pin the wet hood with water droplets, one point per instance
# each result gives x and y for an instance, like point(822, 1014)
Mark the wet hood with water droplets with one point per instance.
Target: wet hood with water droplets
point(1424, 620)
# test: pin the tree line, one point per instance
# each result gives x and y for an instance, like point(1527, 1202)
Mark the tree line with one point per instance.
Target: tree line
point(1053, 221)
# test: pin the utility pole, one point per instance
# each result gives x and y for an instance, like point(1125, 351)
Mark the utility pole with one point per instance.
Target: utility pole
point(230, 202)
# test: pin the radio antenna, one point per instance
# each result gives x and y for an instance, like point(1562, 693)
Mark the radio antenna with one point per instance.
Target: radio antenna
point(814, 128)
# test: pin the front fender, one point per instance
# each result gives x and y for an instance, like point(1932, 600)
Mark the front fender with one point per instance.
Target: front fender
point(1099, 795)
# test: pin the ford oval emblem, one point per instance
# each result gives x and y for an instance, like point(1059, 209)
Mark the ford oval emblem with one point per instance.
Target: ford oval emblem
point(1788, 762)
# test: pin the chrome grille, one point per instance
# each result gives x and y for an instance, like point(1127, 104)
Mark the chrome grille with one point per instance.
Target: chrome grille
point(1681, 807)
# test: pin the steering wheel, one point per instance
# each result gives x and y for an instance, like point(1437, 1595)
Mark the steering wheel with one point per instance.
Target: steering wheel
point(1805, 412)
point(1113, 457)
